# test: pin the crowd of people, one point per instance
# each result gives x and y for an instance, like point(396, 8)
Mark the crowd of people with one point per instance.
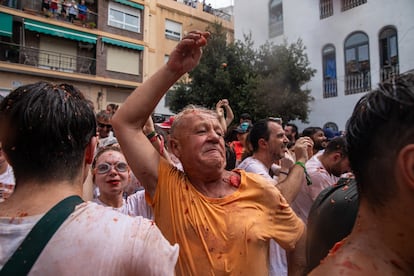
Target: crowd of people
point(67, 10)
point(200, 194)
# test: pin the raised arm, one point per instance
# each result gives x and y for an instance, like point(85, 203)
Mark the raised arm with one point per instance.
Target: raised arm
point(130, 118)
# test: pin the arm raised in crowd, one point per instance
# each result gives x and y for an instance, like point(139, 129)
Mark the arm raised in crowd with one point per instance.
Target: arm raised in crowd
point(291, 185)
point(131, 117)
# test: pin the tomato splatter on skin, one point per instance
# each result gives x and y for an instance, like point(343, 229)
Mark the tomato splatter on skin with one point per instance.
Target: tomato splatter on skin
point(186, 211)
point(235, 181)
point(115, 219)
point(351, 265)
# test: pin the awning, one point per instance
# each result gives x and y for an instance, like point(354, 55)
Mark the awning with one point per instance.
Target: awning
point(122, 43)
point(59, 31)
point(6, 24)
point(130, 3)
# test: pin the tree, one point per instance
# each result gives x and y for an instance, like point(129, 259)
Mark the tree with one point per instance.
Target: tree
point(266, 82)
point(282, 71)
point(225, 72)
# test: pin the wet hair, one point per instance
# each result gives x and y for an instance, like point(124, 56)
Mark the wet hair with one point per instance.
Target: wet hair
point(382, 123)
point(337, 144)
point(259, 130)
point(45, 129)
point(190, 109)
point(101, 151)
point(309, 131)
point(103, 115)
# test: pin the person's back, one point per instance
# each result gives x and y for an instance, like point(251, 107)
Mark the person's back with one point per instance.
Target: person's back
point(381, 153)
point(48, 135)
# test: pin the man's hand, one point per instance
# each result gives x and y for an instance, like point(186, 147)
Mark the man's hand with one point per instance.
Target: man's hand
point(188, 52)
point(303, 149)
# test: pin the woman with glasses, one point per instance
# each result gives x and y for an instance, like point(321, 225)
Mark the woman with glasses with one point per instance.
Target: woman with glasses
point(111, 174)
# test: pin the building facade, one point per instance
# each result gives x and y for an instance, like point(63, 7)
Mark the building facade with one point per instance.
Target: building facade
point(106, 50)
point(353, 45)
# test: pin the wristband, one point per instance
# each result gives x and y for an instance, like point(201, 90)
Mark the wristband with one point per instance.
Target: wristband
point(151, 135)
point(154, 138)
point(308, 179)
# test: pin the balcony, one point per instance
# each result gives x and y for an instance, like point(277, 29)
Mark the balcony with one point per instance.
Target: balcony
point(15, 53)
point(389, 71)
point(357, 82)
point(34, 7)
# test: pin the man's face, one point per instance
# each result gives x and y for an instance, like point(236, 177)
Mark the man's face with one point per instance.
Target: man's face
point(289, 132)
point(277, 143)
point(199, 143)
point(104, 128)
point(319, 140)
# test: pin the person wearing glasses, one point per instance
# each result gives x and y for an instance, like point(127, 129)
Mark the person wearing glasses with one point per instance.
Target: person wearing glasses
point(104, 128)
point(48, 134)
point(111, 174)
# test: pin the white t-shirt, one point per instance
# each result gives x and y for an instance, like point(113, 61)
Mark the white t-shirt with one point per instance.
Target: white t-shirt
point(321, 179)
point(134, 205)
point(94, 240)
point(277, 255)
point(7, 183)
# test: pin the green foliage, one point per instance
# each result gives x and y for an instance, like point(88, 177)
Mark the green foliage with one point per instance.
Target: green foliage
point(266, 82)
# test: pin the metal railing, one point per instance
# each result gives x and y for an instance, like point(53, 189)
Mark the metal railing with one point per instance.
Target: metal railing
point(349, 4)
point(325, 8)
point(357, 82)
point(50, 60)
point(34, 7)
point(388, 72)
point(330, 88)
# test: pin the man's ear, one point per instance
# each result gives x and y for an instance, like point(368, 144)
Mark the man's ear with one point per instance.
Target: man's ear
point(262, 143)
point(90, 150)
point(405, 165)
point(174, 146)
point(336, 156)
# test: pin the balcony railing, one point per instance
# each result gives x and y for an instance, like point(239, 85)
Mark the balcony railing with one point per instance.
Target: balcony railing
point(35, 57)
point(326, 8)
point(330, 88)
point(34, 7)
point(357, 82)
point(389, 72)
point(349, 4)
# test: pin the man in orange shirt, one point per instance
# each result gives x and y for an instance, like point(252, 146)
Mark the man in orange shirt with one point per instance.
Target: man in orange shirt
point(222, 220)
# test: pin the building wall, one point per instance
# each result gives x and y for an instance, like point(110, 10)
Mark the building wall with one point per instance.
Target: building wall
point(301, 20)
point(159, 46)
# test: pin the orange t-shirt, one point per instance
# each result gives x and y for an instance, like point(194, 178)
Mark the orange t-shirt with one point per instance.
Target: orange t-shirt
point(227, 235)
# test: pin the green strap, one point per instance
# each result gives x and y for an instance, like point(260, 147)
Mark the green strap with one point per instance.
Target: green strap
point(25, 256)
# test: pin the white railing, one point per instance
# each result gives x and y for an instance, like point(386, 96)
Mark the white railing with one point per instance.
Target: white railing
point(357, 82)
point(330, 88)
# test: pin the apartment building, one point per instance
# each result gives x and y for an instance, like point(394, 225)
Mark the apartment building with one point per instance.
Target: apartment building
point(105, 53)
point(353, 45)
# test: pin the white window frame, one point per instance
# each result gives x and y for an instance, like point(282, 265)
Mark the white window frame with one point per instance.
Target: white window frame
point(173, 30)
point(125, 11)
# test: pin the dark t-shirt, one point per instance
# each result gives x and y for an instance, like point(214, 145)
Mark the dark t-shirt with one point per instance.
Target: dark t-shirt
point(331, 219)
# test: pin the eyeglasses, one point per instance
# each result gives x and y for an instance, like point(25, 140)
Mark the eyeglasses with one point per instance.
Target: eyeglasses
point(106, 167)
point(104, 125)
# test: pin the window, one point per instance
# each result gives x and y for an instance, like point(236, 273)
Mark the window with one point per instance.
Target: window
point(122, 60)
point(325, 8)
point(275, 18)
point(357, 64)
point(349, 4)
point(329, 71)
point(388, 43)
point(172, 30)
point(124, 17)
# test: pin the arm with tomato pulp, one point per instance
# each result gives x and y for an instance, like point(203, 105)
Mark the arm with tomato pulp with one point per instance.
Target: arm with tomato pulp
point(131, 117)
